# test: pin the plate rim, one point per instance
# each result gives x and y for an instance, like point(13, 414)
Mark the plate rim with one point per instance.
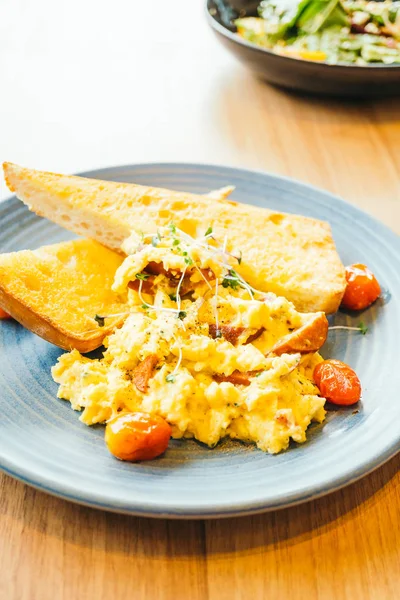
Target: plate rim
point(193, 513)
point(95, 500)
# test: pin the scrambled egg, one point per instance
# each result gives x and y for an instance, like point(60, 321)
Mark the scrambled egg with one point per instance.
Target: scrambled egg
point(197, 348)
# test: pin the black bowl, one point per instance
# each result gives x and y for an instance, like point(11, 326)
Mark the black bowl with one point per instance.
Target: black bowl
point(318, 78)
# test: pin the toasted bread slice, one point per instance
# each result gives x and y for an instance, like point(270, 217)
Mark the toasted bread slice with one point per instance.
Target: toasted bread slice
point(221, 193)
point(56, 291)
point(290, 255)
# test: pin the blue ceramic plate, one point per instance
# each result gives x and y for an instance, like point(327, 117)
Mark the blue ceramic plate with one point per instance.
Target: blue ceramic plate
point(43, 443)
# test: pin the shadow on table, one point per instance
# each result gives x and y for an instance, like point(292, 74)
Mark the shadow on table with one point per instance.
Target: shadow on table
point(154, 539)
point(240, 96)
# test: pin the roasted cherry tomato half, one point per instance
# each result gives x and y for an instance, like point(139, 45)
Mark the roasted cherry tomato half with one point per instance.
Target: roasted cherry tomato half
point(4, 315)
point(337, 382)
point(362, 288)
point(137, 436)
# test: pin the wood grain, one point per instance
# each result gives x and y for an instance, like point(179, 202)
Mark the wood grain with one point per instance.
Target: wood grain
point(81, 96)
point(343, 546)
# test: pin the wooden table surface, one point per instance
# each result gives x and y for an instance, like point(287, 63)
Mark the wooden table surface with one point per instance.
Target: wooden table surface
point(90, 84)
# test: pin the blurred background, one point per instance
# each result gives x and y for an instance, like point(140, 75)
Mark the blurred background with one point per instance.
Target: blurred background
point(92, 84)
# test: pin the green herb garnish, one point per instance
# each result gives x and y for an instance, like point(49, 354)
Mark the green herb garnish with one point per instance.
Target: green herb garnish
point(99, 320)
point(208, 232)
point(142, 276)
point(172, 228)
point(170, 378)
point(239, 258)
point(172, 297)
point(362, 327)
point(231, 280)
point(181, 314)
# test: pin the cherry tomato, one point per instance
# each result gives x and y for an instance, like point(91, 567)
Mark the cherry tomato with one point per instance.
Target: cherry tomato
point(337, 382)
point(4, 315)
point(137, 436)
point(362, 287)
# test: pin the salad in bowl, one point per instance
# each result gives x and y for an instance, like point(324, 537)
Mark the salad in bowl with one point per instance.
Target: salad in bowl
point(352, 32)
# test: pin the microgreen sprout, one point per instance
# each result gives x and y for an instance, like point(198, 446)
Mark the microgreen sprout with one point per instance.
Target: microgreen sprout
point(146, 305)
point(202, 276)
point(142, 276)
point(208, 232)
point(156, 239)
point(216, 307)
point(178, 364)
point(361, 328)
point(99, 320)
point(231, 280)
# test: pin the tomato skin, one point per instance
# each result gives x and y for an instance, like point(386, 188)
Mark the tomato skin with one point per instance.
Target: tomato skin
point(337, 382)
point(362, 287)
point(137, 436)
point(4, 315)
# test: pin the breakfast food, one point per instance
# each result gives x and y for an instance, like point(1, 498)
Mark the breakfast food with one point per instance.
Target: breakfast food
point(57, 291)
point(337, 382)
point(137, 436)
point(289, 255)
point(334, 31)
point(202, 349)
point(193, 349)
point(221, 194)
point(362, 288)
